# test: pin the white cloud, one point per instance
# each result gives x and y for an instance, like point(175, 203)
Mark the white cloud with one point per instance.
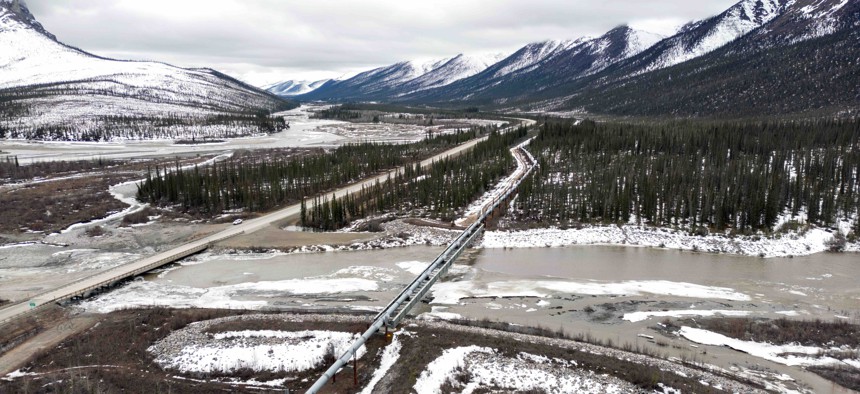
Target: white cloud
point(268, 40)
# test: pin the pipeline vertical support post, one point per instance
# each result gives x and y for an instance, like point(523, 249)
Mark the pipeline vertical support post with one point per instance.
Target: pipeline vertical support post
point(355, 369)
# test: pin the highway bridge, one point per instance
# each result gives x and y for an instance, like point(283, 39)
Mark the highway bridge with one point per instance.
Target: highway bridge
point(115, 275)
point(399, 308)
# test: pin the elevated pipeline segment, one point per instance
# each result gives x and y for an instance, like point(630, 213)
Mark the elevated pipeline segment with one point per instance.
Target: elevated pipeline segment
point(403, 303)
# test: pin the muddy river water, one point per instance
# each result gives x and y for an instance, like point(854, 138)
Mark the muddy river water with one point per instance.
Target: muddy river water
point(594, 291)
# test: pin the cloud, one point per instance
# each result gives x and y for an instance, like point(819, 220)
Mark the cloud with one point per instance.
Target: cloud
point(268, 40)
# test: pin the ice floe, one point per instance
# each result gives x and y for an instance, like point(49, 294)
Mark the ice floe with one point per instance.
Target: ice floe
point(453, 292)
point(790, 355)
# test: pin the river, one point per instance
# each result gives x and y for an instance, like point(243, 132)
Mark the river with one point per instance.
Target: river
point(594, 291)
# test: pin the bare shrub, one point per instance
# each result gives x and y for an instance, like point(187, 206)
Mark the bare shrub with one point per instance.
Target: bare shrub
point(95, 231)
point(139, 217)
point(330, 355)
point(837, 244)
point(784, 331)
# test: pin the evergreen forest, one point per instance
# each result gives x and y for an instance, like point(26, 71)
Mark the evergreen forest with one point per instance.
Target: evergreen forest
point(441, 191)
point(703, 176)
point(261, 184)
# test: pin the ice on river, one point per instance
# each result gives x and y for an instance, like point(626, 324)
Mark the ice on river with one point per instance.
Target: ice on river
point(453, 292)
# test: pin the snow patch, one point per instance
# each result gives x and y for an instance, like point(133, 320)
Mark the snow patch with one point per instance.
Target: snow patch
point(793, 244)
point(231, 351)
point(390, 355)
point(440, 369)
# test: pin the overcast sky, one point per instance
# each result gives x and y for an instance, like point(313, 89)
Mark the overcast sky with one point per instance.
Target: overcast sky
point(264, 41)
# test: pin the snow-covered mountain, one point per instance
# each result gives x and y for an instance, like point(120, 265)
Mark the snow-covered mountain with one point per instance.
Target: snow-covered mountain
point(461, 66)
point(409, 78)
point(54, 91)
point(801, 59)
point(377, 83)
point(294, 88)
point(701, 37)
point(530, 56)
point(541, 66)
point(809, 19)
point(562, 75)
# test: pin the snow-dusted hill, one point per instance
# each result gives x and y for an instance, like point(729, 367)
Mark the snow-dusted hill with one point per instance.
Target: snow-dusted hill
point(408, 78)
point(57, 92)
point(403, 78)
point(294, 88)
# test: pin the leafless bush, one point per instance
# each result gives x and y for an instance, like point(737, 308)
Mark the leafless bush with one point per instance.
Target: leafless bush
point(139, 217)
point(838, 243)
point(784, 331)
point(95, 231)
point(844, 376)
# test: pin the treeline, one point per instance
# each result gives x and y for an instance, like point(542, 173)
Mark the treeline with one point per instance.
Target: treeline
point(10, 167)
point(113, 127)
point(355, 112)
point(441, 190)
point(26, 113)
point(716, 176)
point(344, 112)
point(266, 183)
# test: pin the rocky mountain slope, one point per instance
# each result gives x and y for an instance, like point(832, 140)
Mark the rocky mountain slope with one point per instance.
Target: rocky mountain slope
point(757, 58)
point(803, 61)
point(539, 66)
point(52, 91)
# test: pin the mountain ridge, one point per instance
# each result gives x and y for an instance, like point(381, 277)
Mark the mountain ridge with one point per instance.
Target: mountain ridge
point(56, 91)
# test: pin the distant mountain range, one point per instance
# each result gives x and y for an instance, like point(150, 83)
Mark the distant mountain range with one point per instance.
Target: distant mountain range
point(758, 58)
point(294, 88)
point(52, 91)
point(403, 78)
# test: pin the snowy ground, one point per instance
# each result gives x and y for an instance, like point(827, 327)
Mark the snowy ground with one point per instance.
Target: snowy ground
point(811, 242)
point(192, 349)
point(390, 355)
point(485, 369)
point(303, 132)
point(203, 347)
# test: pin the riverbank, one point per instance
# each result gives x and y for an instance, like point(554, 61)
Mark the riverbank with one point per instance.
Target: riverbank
point(470, 357)
point(810, 242)
point(403, 233)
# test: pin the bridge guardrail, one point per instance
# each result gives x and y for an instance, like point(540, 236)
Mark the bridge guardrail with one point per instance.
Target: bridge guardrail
point(112, 279)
